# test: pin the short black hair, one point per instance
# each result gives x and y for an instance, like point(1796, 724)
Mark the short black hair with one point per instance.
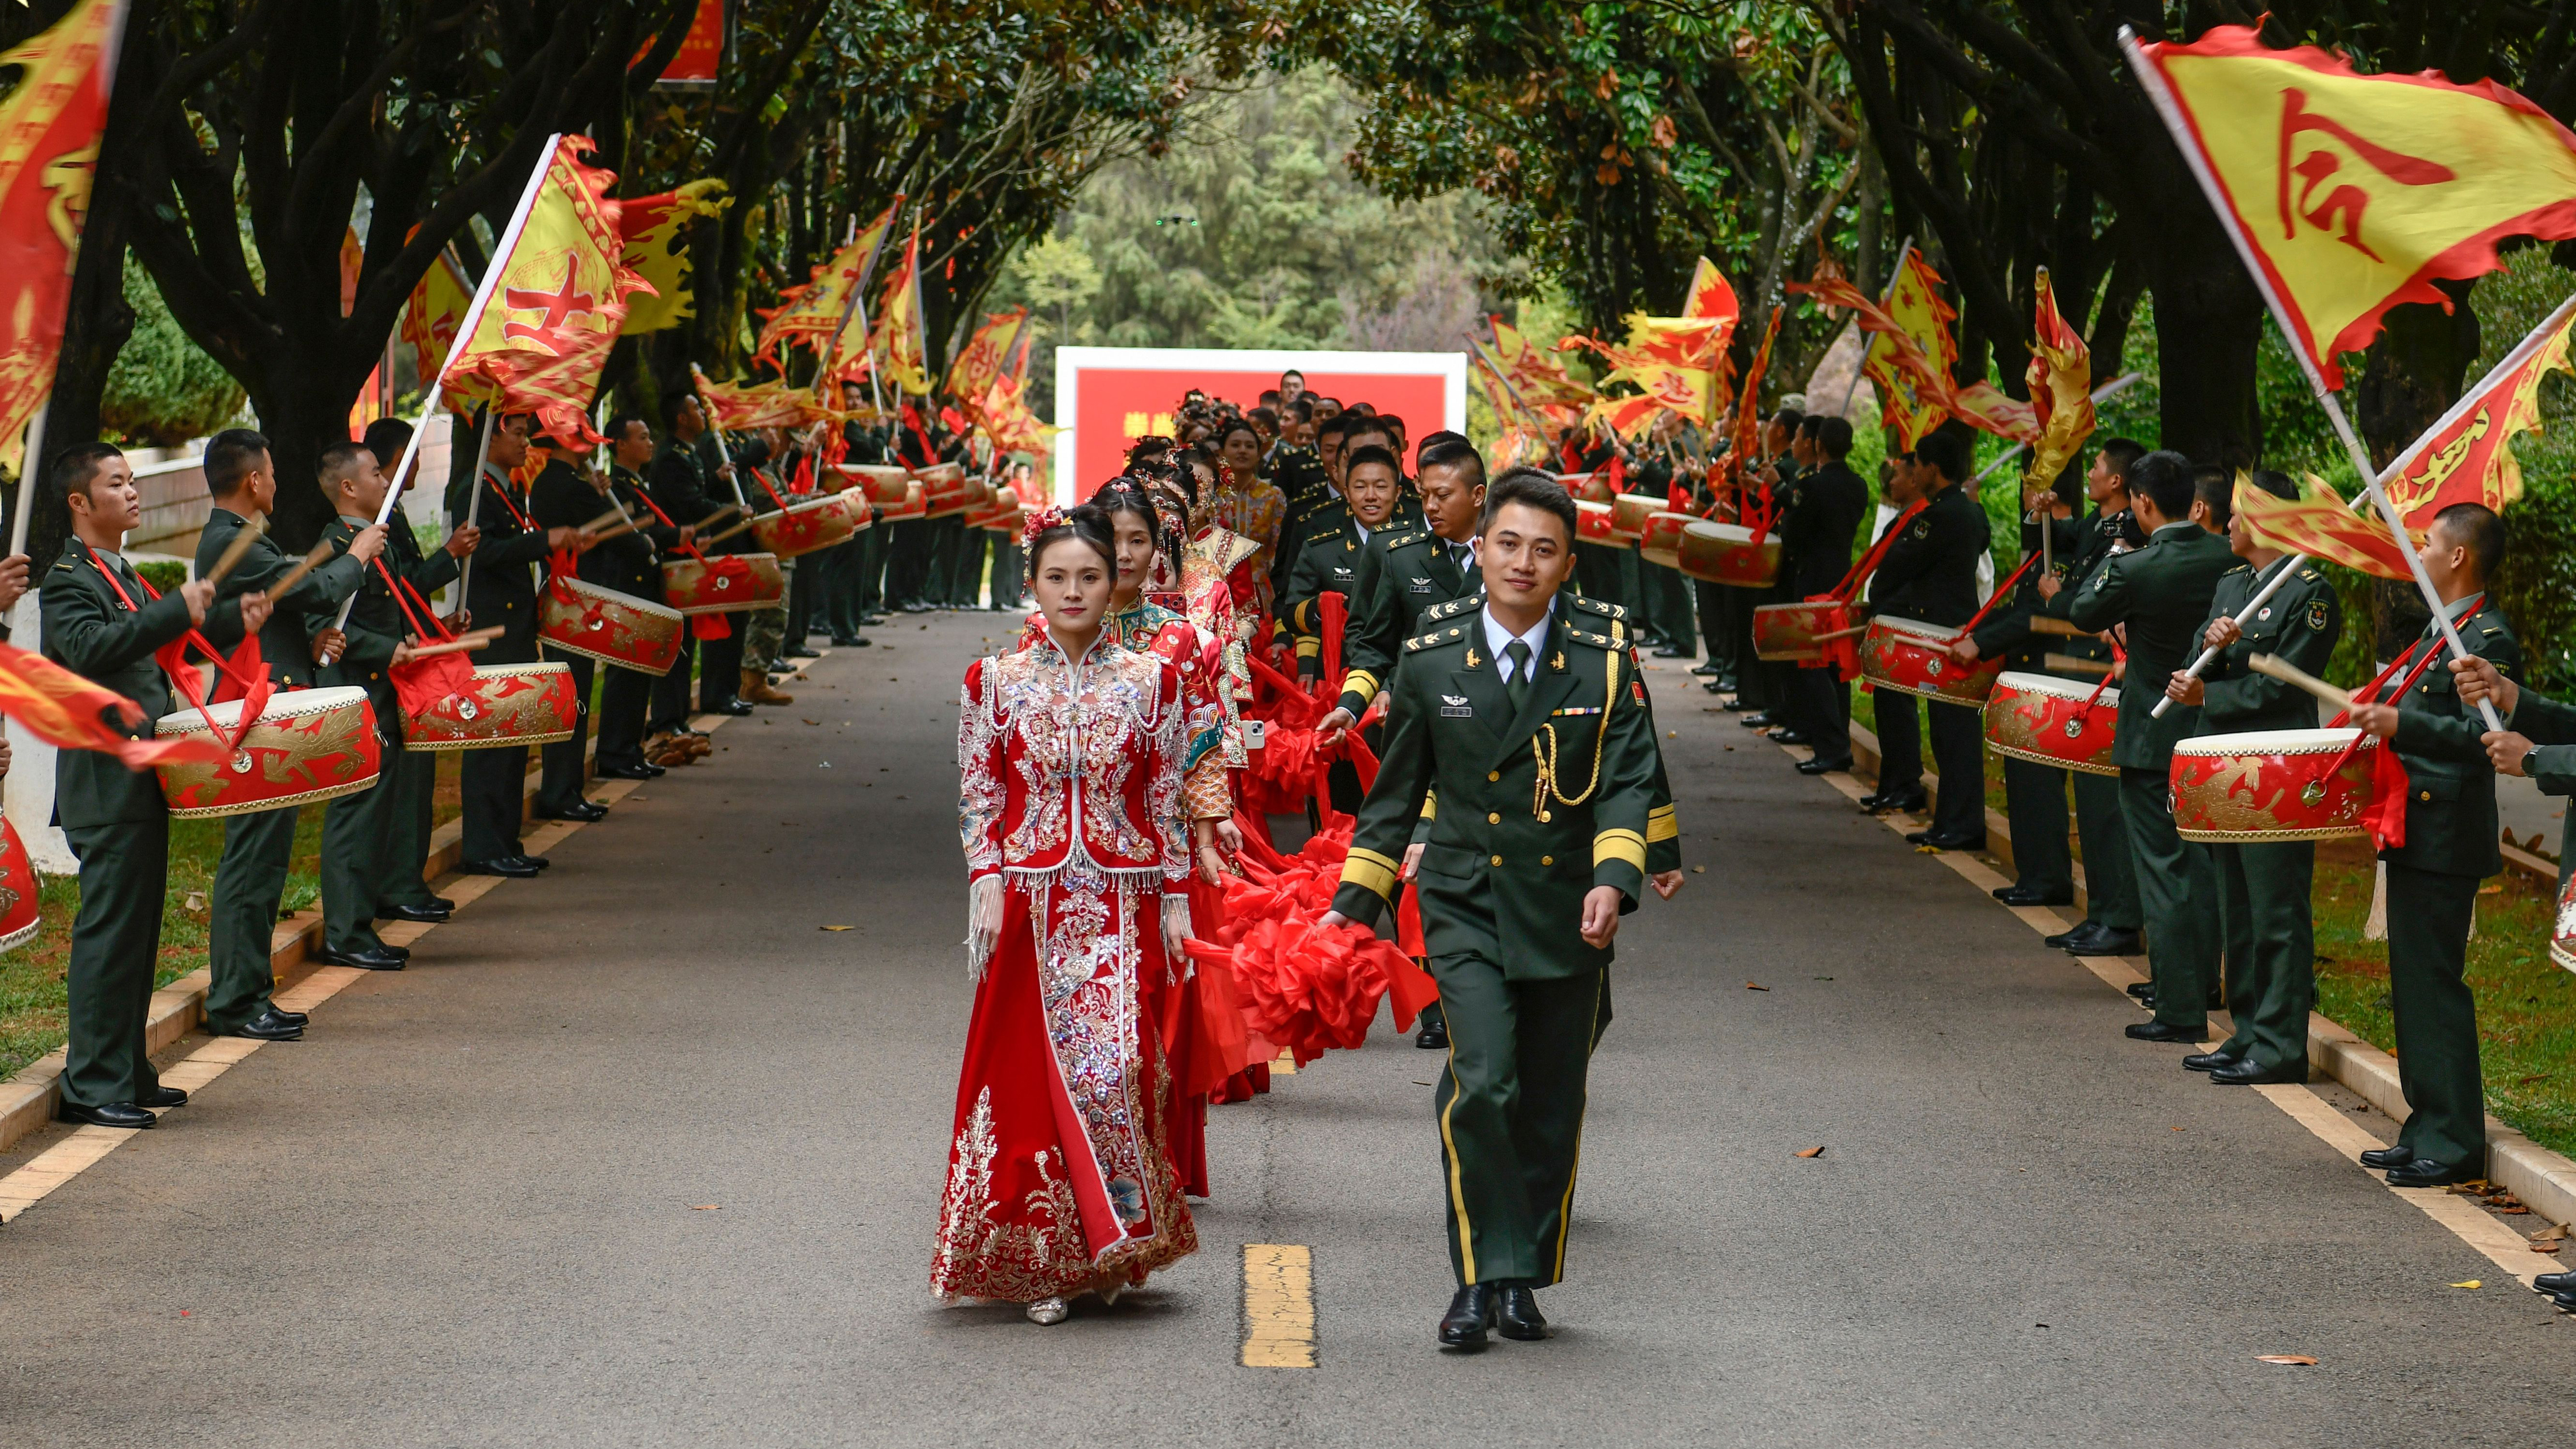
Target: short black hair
point(671, 405)
point(1086, 523)
point(326, 468)
point(1531, 489)
point(1292, 372)
point(1128, 495)
point(1947, 449)
point(2276, 483)
point(76, 467)
point(1453, 452)
point(1834, 435)
point(1383, 457)
point(2479, 529)
point(1334, 426)
point(2122, 454)
point(618, 423)
point(1369, 428)
point(1264, 416)
point(231, 456)
point(2215, 489)
point(1788, 418)
point(1811, 425)
point(1431, 440)
point(1303, 409)
point(1392, 420)
point(2166, 477)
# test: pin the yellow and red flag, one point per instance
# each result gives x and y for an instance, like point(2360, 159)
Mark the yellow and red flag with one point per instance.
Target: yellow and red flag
point(657, 251)
point(2321, 525)
point(812, 314)
point(1535, 378)
point(1979, 404)
point(898, 339)
point(1745, 438)
point(1709, 297)
point(2348, 193)
point(2467, 457)
point(2061, 389)
point(70, 713)
point(986, 355)
point(436, 309)
point(1914, 303)
point(554, 301)
point(736, 406)
point(49, 129)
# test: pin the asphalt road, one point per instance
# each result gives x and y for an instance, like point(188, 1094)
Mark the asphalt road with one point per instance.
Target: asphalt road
point(638, 1154)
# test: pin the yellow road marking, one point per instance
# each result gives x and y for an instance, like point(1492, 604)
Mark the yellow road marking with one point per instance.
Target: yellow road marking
point(1278, 1306)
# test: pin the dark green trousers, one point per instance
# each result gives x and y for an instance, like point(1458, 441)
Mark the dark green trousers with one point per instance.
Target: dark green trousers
point(966, 591)
point(2437, 1018)
point(565, 761)
point(1665, 597)
point(2035, 806)
point(116, 943)
point(2177, 895)
point(1596, 572)
point(1510, 1109)
point(398, 865)
point(947, 544)
point(250, 880)
point(2265, 907)
point(357, 831)
point(493, 785)
point(2110, 882)
point(872, 558)
point(907, 560)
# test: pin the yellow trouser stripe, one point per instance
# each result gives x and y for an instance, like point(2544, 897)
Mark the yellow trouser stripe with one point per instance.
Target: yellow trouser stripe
point(1565, 1205)
point(1457, 1188)
point(1625, 845)
point(1370, 869)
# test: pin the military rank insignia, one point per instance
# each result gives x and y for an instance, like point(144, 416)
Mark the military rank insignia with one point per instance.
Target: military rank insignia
point(2317, 615)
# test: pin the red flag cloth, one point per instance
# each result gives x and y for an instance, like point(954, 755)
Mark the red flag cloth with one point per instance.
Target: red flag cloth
point(1336, 610)
point(70, 713)
point(1408, 926)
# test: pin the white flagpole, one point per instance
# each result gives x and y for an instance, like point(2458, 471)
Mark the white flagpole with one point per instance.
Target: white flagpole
point(25, 511)
point(740, 499)
point(474, 498)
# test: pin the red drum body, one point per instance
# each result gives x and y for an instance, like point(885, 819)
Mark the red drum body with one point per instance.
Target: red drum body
point(1788, 631)
point(1912, 657)
point(1725, 553)
point(575, 617)
point(1592, 522)
point(945, 490)
point(914, 504)
point(2271, 785)
point(882, 485)
point(18, 920)
point(1660, 541)
point(808, 527)
point(1628, 515)
point(2045, 720)
point(725, 583)
point(504, 704)
point(1593, 487)
point(308, 745)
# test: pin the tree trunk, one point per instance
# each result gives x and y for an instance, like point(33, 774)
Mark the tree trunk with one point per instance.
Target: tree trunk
point(2415, 372)
point(2209, 321)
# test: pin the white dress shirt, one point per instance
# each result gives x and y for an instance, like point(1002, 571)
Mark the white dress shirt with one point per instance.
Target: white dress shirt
point(1497, 636)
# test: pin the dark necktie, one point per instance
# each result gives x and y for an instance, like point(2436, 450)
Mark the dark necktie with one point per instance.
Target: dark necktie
point(1517, 688)
point(1460, 556)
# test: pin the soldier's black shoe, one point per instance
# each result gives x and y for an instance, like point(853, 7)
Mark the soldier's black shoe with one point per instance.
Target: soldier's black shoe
point(1909, 801)
point(2141, 990)
point(1786, 736)
point(1946, 842)
point(270, 1025)
point(2018, 895)
point(2210, 1061)
point(734, 705)
point(2383, 1158)
point(799, 651)
point(1518, 1313)
point(162, 1098)
point(2166, 1031)
point(585, 812)
point(2425, 1172)
point(630, 772)
point(1434, 1036)
point(1672, 652)
point(373, 958)
point(282, 1014)
point(2058, 941)
point(1734, 706)
point(1761, 719)
point(1470, 1314)
point(2095, 939)
point(512, 867)
point(120, 1114)
point(1710, 670)
point(2566, 1301)
point(2250, 1073)
point(2554, 1283)
point(1825, 767)
point(430, 914)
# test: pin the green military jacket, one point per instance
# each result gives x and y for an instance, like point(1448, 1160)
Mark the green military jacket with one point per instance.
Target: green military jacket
point(2450, 785)
point(1329, 563)
point(2550, 725)
point(2162, 593)
point(2300, 623)
point(90, 631)
point(376, 624)
point(2006, 632)
point(1403, 572)
point(1553, 799)
point(285, 643)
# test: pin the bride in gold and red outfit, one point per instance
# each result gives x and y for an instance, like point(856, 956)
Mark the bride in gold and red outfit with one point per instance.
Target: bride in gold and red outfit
point(1071, 753)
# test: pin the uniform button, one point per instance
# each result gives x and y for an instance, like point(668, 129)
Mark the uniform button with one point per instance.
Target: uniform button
point(1547, 860)
point(1498, 860)
point(2423, 794)
point(1493, 774)
point(1493, 819)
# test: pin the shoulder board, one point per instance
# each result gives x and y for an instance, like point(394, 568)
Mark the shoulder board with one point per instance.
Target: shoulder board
point(1402, 540)
point(2242, 568)
point(64, 564)
point(1449, 608)
point(1596, 606)
point(1597, 641)
point(2311, 575)
point(1434, 639)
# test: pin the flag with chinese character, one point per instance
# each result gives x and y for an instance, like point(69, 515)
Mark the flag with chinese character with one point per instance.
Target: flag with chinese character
point(558, 297)
point(655, 228)
point(49, 129)
point(898, 342)
point(2355, 193)
point(1536, 378)
point(2467, 457)
point(1979, 404)
point(738, 406)
point(2061, 389)
point(436, 309)
point(1914, 303)
point(981, 362)
point(2322, 526)
point(70, 713)
point(810, 315)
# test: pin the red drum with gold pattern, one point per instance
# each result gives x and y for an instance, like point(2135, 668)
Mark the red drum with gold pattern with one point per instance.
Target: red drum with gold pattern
point(1912, 657)
point(504, 704)
point(2271, 785)
point(308, 744)
point(1628, 515)
point(915, 504)
point(882, 484)
point(18, 920)
point(805, 528)
point(724, 583)
point(1725, 553)
point(577, 617)
point(945, 490)
point(1660, 541)
point(2047, 721)
point(1592, 487)
point(1788, 631)
point(1592, 522)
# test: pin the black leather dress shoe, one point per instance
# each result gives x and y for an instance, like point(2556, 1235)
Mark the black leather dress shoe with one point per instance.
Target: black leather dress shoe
point(2554, 1283)
point(2425, 1172)
point(1669, 652)
point(162, 1098)
point(296, 1017)
point(1434, 1036)
point(1946, 842)
point(1731, 706)
point(1909, 801)
point(2383, 1158)
point(2140, 990)
point(1788, 737)
point(1710, 670)
point(2058, 941)
point(586, 811)
point(270, 1025)
point(431, 914)
point(513, 867)
point(1719, 686)
point(630, 772)
point(2251, 1073)
point(2210, 1061)
point(734, 706)
point(1761, 719)
point(2566, 1301)
point(118, 1114)
point(1518, 1313)
point(1825, 767)
point(374, 959)
point(2166, 1031)
point(799, 651)
point(2096, 939)
point(2018, 895)
point(1470, 1314)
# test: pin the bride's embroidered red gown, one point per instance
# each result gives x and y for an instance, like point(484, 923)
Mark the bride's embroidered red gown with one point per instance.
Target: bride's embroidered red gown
point(1060, 1173)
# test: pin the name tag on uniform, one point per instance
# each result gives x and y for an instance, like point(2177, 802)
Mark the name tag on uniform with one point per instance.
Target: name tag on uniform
point(1455, 706)
point(1420, 586)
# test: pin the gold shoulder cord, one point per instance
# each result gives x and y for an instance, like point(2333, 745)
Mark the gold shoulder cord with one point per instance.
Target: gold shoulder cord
point(1545, 759)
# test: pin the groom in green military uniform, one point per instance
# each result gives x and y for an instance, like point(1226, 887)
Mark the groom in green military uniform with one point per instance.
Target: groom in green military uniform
point(1524, 713)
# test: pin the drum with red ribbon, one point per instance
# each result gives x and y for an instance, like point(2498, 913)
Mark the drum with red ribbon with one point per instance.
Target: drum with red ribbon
point(2264, 785)
point(809, 527)
point(1628, 515)
point(18, 920)
point(579, 617)
point(503, 704)
point(1726, 553)
point(1660, 541)
point(1912, 657)
point(724, 583)
point(2050, 721)
point(1592, 522)
point(1788, 631)
point(306, 745)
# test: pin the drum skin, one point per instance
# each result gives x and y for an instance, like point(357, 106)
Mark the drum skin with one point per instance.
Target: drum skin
point(808, 527)
point(1660, 542)
point(696, 586)
point(1788, 631)
point(2270, 785)
point(576, 617)
point(1628, 515)
point(1725, 553)
point(309, 744)
point(880, 484)
point(1914, 658)
point(2044, 720)
point(1592, 522)
point(18, 918)
point(505, 704)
